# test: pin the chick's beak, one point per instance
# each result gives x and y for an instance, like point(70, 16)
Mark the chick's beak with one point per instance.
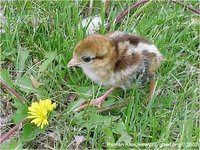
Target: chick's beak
point(72, 62)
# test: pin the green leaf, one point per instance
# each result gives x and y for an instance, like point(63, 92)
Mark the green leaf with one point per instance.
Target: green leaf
point(99, 120)
point(20, 113)
point(51, 56)
point(19, 116)
point(108, 138)
point(30, 131)
point(189, 128)
point(73, 105)
point(108, 121)
point(12, 144)
point(125, 138)
point(23, 55)
point(85, 89)
point(34, 82)
point(25, 84)
point(44, 65)
point(119, 128)
point(4, 75)
point(85, 92)
point(20, 106)
point(94, 120)
point(110, 102)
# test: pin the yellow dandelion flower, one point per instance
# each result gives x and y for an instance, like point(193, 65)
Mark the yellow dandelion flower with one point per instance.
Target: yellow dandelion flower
point(38, 111)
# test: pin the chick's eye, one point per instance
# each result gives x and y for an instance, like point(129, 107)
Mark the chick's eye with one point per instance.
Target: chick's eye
point(86, 59)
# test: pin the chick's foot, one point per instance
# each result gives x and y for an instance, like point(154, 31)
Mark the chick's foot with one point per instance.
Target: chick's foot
point(98, 102)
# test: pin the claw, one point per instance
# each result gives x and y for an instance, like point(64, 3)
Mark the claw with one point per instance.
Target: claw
point(99, 101)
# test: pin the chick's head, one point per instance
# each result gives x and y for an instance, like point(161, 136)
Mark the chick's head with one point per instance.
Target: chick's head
point(92, 52)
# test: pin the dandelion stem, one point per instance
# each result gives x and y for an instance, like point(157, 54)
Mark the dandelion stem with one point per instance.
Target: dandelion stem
point(188, 7)
point(124, 13)
point(13, 92)
point(14, 129)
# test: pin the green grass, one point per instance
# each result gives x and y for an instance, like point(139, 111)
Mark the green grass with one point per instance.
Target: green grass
point(39, 40)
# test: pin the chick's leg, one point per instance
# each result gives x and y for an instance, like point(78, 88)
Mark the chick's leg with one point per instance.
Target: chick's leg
point(152, 87)
point(98, 102)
